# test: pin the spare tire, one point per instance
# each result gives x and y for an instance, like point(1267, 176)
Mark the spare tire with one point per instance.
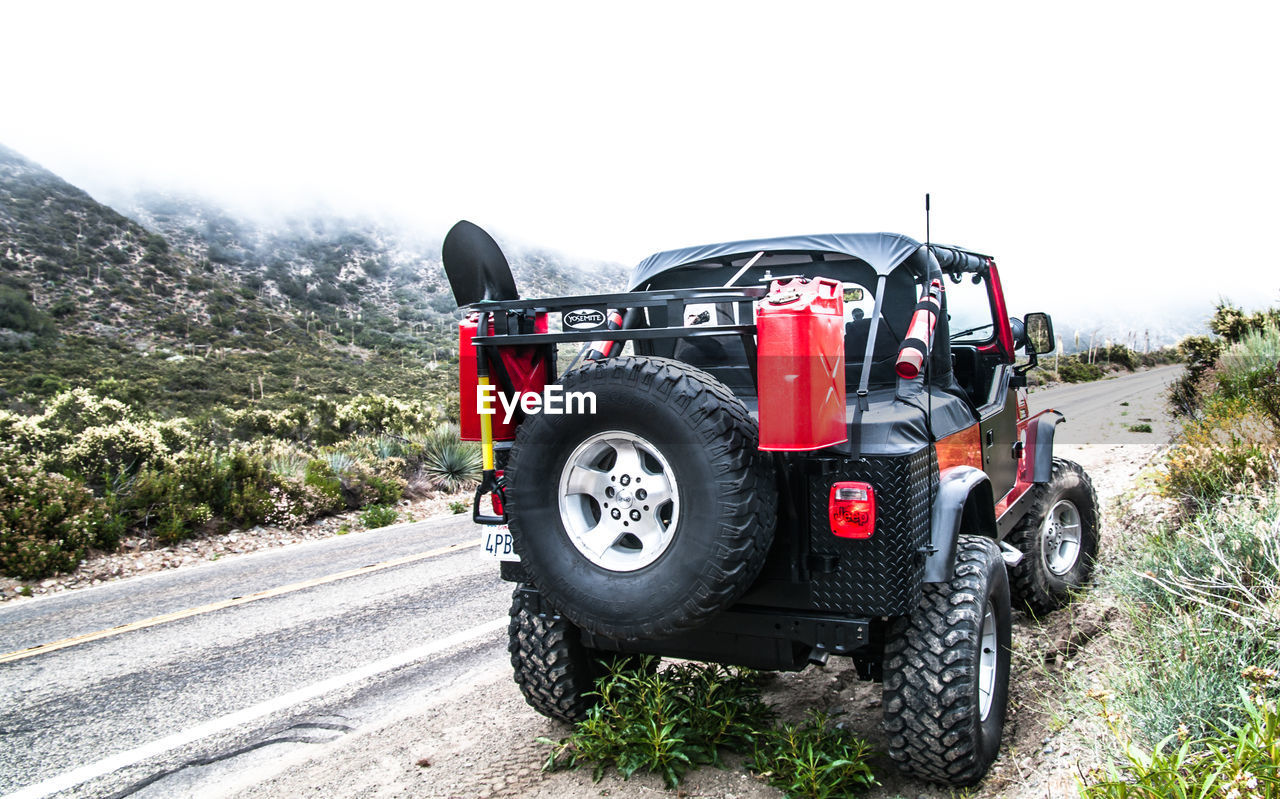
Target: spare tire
point(643, 519)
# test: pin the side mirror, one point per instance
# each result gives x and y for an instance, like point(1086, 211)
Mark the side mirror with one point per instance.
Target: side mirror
point(1039, 332)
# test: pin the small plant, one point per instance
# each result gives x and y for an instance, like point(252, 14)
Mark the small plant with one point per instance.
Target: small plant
point(1142, 427)
point(665, 722)
point(457, 506)
point(673, 721)
point(814, 759)
point(448, 462)
point(379, 516)
point(1241, 761)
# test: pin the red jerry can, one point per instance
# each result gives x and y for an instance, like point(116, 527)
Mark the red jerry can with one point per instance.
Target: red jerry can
point(800, 344)
point(526, 366)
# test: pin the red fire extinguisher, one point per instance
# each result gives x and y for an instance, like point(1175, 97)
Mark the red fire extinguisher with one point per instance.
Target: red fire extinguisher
point(915, 348)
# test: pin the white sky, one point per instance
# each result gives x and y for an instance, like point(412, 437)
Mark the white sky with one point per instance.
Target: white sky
point(1112, 155)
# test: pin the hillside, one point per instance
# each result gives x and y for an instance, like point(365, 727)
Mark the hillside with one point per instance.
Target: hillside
point(181, 305)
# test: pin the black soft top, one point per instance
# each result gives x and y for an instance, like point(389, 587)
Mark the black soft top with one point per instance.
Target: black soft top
point(883, 252)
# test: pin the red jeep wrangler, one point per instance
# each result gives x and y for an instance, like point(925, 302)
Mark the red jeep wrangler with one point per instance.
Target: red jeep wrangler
point(767, 453)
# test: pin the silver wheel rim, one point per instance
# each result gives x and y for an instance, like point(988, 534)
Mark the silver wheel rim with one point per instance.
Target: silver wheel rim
point(987, 662)
point(618, 501)
point(1060, 538)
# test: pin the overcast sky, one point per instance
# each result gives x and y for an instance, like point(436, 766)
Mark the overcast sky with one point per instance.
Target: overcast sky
point(1110, 155)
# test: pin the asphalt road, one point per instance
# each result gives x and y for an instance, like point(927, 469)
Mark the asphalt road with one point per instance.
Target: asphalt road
point(1105, 411)
point(220, 689)
point(141, 711)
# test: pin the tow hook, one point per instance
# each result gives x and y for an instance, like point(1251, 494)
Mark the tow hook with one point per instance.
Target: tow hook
point(1011, 554)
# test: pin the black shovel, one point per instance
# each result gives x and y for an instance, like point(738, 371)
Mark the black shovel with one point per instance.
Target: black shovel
point(476, 267)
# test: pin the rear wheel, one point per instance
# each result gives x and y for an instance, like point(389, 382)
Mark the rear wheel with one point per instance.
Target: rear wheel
point(555, 672)
point(645, 518)
point(946, 672)
point(1058, 539)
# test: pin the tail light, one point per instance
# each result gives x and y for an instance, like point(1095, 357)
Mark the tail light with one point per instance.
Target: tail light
point(495, 498)
point(853, 510)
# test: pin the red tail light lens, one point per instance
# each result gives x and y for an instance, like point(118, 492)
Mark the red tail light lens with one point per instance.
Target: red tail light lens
point(853, 510)
point(495, 499)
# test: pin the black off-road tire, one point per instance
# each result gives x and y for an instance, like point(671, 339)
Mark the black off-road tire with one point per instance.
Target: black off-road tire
point(1035, 585)
point(727, 499)
point(555, 672)
point(932, 679)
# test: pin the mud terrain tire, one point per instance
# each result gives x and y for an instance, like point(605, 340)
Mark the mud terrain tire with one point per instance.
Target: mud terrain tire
point(555, 672)
point(1058, 539)
point(936, 674)
point(645, 518)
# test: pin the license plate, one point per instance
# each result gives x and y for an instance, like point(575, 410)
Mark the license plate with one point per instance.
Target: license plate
point(497, 544)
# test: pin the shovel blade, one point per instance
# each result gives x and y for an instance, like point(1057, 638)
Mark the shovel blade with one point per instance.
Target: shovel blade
point(476, 267)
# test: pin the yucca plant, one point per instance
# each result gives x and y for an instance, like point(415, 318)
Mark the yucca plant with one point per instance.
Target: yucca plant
point(448, 462)
point(288, 463)
point(341, 463)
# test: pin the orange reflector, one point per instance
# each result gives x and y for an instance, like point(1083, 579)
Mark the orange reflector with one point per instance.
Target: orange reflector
point(853, 510)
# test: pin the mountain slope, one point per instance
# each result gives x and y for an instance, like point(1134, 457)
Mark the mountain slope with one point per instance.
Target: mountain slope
point(186, 306)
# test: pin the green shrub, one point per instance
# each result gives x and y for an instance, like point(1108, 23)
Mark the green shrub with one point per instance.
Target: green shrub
point(1118, 354)
point(671, 721)
point(119, 448)
point(72, 412)
point(1231, 448)
point(665, 722)
point(47, 522)
point(449, 463)
point(1073, 370)
point(376, 413)
point(320, 476)
point(1200, 354)
point(21, 438)
point(1237, 761)
point(205, 485)
point(379, 516)
point(814, 759)
point(1205, 601)
point(1140, 428)
point(1256, 351)
point(19, 314)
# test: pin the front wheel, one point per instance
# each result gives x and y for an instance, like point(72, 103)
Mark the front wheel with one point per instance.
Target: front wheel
point(946, 671)
point(1058, 539)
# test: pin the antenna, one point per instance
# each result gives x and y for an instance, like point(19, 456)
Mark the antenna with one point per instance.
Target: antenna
point(927, 237)
point(928, 367)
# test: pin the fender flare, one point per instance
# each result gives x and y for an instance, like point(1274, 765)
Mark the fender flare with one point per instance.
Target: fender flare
point(1040, 431)
point(963, 500)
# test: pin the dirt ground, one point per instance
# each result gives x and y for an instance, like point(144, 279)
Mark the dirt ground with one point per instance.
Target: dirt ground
point(478, 740)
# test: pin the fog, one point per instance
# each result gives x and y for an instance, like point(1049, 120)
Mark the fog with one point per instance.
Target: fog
point(1118, 160)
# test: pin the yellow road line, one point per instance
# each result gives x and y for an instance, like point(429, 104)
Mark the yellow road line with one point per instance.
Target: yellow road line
point(40, 649)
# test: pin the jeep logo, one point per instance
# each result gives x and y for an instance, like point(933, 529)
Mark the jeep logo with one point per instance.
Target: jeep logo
point(584, 319)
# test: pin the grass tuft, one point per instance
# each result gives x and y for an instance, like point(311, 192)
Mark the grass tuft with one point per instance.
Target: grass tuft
point(671, 721)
